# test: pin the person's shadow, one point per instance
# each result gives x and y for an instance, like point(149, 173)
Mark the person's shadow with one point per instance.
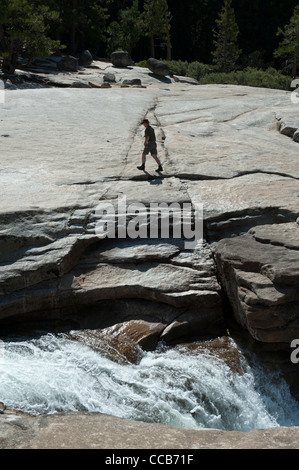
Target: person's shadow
point(153, 179)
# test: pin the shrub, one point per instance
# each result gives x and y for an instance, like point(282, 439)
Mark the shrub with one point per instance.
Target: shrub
point(269, 78)
point(142, 63)
point(250, 76)
point(177, 67)
point(183, 68)
point(198, 70)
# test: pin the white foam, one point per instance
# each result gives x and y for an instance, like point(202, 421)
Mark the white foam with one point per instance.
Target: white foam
point(53, 373)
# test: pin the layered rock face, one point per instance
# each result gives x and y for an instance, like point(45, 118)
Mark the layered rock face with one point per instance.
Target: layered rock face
point(67, 151)
point(259, 271)
point(54, 265)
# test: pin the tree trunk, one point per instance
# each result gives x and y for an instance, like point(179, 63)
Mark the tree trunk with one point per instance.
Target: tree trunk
point(9, 64)
point(152, 46)
point(74, 28)
point(6, 66)
point(3, 42)
point(168, 55)
point(168, 43)
point(294, 71)
point(73, 40)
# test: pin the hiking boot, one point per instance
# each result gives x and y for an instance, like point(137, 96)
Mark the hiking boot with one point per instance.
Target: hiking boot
point(141, 167)
point(159, 168)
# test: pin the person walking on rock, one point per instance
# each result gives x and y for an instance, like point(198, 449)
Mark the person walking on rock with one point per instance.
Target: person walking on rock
point(150, 146)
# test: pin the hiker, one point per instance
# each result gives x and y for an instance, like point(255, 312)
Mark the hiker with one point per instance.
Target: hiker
point(150, 146)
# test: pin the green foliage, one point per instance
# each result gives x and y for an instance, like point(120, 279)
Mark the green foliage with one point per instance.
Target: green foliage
point(269, 78)
point(30, 26)
point(179, 67)
point(250, 76)
point(193, 69)
point(142, 63)
point(83, 24)
point(290, 33)
point(156, 20)
point(197, 70)
point(226, 51)
point(289, 46)
point(24, 26)
point(93, 27)
point(255, 59)
point(125, 33)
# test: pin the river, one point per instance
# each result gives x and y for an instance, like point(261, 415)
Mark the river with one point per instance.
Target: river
point(175, 386)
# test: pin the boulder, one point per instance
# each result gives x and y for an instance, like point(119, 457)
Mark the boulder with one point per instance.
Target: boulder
point(68, 63)
point(85, 58)
point(95, 84)
point(121, 342)
point(260, 274)
point(131, 82)
point(46, 64)
point(80, 84)
point(121, 59)
point(296, 136)
point(109, 77)
point(182, 79)
point(289, 129)
point(158, 67)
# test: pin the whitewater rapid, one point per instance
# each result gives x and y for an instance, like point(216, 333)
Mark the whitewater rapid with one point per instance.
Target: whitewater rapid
point(178, 387)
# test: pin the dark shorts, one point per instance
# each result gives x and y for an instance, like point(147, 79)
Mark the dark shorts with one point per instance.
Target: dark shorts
point(150, 147)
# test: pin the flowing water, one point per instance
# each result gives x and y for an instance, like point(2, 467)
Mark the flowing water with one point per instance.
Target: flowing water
point(176, 386)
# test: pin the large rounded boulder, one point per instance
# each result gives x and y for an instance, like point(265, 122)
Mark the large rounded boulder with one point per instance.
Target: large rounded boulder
point(158, 67)
point(121, 59)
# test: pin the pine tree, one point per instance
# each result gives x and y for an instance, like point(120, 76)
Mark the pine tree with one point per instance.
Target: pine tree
point(24, 26)
point(157, 23)
point(126, 32)
point(226, 51)
point(289, 46)
point(84, 22)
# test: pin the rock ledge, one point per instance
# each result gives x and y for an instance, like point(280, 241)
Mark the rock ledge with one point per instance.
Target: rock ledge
point(98, 431)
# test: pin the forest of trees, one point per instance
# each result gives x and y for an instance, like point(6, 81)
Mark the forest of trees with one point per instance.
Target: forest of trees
point(257, 33)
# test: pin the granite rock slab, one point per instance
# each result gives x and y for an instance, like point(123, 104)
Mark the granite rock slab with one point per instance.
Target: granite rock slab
point(68, 149)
